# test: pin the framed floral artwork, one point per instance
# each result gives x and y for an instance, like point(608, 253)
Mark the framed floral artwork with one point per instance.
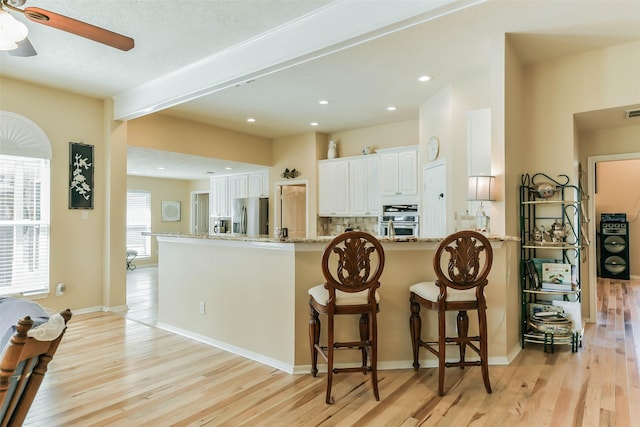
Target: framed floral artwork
point(81, 191)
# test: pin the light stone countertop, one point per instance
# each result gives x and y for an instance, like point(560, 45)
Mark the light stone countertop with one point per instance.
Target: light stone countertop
point(319, 239)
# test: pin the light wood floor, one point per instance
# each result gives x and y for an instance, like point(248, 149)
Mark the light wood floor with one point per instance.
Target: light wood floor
point(142, 295)
point(112, 371)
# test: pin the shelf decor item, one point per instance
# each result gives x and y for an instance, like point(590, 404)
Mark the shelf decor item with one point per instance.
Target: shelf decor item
point(550, 250)
point(80, 176)
point(332, 153)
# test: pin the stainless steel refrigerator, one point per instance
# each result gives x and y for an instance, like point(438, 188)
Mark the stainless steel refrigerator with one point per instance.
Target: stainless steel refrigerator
point(250, 216)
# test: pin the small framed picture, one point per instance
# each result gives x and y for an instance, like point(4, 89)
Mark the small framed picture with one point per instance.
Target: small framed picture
point(170, 210)
point(532, 274)
point(80, 176)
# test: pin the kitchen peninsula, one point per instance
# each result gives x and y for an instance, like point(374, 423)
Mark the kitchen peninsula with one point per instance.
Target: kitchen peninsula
point(249, 296)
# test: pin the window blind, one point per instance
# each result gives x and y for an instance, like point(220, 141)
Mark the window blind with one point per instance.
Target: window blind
point(24, 224)
point(139, 221)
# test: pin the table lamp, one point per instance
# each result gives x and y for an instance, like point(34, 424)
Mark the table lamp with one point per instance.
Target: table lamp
point(480, 190)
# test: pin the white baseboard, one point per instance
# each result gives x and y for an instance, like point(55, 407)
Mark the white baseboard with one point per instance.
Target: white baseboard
point(278, 364)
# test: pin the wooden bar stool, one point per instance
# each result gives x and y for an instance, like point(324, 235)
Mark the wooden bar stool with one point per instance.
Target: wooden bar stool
point(352, 265)
point(460, 287)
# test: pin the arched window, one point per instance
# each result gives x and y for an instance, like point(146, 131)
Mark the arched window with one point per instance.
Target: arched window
point(25, 154)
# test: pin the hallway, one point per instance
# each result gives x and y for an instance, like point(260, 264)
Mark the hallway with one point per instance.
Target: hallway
point(142, 295)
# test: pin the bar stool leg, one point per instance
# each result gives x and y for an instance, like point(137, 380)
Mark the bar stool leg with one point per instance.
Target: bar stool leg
point(314, 338)
point(463, 331)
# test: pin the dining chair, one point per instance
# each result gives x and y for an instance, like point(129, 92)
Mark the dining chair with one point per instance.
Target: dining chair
point(459, 286)
point(24, 364)
point(352, 264)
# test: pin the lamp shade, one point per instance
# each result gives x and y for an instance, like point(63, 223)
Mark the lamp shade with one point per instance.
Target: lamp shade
point(481, 188)
point(11, 31)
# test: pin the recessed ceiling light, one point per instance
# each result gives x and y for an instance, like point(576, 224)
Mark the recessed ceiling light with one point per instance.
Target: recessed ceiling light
point(424, 78)
point(229, 168)
point(161, 168)
point(314, 123)
point(392, 108)
point(323, 102)
point(251, 120)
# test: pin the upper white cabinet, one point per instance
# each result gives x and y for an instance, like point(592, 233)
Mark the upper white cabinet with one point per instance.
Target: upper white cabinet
point(219, 197)
point(333, 182)
point(259, 184)
point(238, 186)
point(224, 189)
point(399, 172)
point(364, 191)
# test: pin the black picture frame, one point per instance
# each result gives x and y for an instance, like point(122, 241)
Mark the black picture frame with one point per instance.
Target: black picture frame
point(81, 189)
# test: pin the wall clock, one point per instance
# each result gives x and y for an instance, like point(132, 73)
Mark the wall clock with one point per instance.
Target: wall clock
point(433, 146)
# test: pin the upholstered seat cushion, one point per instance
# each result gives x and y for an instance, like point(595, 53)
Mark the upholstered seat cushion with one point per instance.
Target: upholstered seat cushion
point(321, 295)
point(14, 309)
point(430, 291)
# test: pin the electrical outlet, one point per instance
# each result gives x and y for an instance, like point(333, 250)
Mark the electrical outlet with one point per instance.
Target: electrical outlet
point(60, 289)
point(201, 307)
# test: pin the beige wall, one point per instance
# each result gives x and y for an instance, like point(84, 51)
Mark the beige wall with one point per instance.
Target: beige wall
point(164, 189)
point(556, 90)
point(514, 135)
point(350, 143)
point(262, 312)
point(162, 132)
point(297, 152)
point(79, 251)
point(445, 116)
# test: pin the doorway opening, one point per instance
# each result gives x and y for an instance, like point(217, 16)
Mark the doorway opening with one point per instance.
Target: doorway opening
point(630, 194)
point(291, 208)
point(200, 212)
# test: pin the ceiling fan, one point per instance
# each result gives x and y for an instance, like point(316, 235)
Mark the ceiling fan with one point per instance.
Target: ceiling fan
point(61, 22)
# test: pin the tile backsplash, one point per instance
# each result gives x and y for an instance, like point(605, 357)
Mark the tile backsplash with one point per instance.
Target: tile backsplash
point(336, 225)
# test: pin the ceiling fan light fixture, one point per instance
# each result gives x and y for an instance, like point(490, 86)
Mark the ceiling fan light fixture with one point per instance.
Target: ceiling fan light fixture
point(11, 31)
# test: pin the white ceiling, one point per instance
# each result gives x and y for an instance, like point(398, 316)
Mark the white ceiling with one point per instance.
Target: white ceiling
point(192, 57)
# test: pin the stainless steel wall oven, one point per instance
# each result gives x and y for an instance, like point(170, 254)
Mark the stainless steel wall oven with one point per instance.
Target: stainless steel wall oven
point(405, 220)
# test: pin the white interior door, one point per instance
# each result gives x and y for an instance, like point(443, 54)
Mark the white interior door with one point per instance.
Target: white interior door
point(434, 211)
point(200, 209)
point(294, 210)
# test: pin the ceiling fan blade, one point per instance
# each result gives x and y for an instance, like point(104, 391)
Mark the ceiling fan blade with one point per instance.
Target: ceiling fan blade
point(25, 48)
point(79, 28)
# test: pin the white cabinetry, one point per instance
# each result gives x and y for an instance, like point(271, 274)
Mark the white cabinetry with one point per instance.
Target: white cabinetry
point(237, 187)
point(399, 172)
point(219, 197)
point(333, 194)
point(259, 184)
point(364, 191)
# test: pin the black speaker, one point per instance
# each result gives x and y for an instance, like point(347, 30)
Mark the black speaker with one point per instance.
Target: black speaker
point(614, 250)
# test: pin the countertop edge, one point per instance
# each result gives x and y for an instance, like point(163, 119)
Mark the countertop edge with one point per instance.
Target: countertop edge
point(319, 239)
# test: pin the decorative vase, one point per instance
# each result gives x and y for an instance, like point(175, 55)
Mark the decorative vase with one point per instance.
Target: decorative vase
point(333, 150)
